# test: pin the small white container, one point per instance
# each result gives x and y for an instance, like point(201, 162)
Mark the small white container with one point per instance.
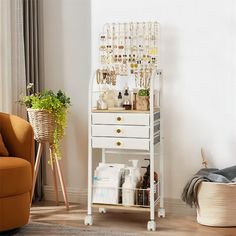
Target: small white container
point(137, 174)
point(128, 192)
point(101, 104)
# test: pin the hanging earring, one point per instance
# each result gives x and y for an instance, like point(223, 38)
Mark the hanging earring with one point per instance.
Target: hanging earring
point(98, 76)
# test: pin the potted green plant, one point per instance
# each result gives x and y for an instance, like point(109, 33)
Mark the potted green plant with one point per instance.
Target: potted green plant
point(47, 113)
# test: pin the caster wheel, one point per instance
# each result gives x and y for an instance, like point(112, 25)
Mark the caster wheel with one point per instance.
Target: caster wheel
point(88, 220)
point(161, 213)
point(102, 210)
point(151, 226)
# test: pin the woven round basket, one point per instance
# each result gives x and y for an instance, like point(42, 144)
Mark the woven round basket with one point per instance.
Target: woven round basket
point(43, 124)
point(217, 204)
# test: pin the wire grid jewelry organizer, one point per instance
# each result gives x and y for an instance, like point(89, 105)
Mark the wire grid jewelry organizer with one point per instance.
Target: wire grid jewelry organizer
point(128, 49)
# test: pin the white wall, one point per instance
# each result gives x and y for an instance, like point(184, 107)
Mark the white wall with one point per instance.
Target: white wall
point(67, 67)
point(198, 57)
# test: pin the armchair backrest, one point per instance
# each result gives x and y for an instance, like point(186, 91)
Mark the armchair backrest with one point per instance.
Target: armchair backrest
point(18, 136)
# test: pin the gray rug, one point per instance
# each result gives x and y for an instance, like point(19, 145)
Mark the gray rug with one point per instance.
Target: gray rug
point(55, 229)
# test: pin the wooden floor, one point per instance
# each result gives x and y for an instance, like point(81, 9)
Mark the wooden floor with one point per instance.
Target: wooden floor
point(179, 221)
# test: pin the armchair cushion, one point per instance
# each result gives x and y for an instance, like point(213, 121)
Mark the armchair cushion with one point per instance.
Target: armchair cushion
point(3, 149)
point(15, 176)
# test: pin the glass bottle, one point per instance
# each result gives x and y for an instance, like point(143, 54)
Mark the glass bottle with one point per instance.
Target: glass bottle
point(127, 103)
point(119, 100)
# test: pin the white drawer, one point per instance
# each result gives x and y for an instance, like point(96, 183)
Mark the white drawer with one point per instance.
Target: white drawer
point(120, 131)
point(120, 118)
point(120, 143)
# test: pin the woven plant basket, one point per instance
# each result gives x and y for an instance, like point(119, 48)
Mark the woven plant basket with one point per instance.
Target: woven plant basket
point(43, 124)
point(217, 204)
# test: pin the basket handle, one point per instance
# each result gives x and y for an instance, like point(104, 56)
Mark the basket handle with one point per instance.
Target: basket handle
point(204, 161)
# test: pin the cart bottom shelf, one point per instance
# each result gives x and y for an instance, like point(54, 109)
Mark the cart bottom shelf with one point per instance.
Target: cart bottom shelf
point(121, 207)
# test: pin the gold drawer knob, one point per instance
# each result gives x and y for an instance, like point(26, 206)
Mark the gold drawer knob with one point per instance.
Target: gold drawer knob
point(118, 118)
point(118, 131)
point(118, 143)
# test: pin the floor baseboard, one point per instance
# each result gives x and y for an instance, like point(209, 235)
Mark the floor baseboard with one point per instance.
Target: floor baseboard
point(74, 195)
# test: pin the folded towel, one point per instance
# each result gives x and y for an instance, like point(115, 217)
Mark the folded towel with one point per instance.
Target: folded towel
point(227, 175)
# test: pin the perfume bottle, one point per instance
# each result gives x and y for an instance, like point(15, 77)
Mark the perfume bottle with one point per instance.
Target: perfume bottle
point(127, 103)
point(119, 100)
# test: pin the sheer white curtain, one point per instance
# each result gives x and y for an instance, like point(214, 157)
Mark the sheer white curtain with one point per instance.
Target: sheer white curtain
point(5, 57)
point(12, 59)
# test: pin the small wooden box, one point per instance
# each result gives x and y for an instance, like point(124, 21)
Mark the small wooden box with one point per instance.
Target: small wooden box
point(143, 103)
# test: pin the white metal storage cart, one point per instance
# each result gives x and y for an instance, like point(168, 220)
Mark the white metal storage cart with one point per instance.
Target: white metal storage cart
point(129, 60)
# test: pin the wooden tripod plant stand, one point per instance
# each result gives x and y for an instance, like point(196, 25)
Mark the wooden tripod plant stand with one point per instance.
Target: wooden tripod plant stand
point(44, 125)
point(55, 167)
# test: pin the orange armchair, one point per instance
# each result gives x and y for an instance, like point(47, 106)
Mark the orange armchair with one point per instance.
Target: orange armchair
point(16, 172)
